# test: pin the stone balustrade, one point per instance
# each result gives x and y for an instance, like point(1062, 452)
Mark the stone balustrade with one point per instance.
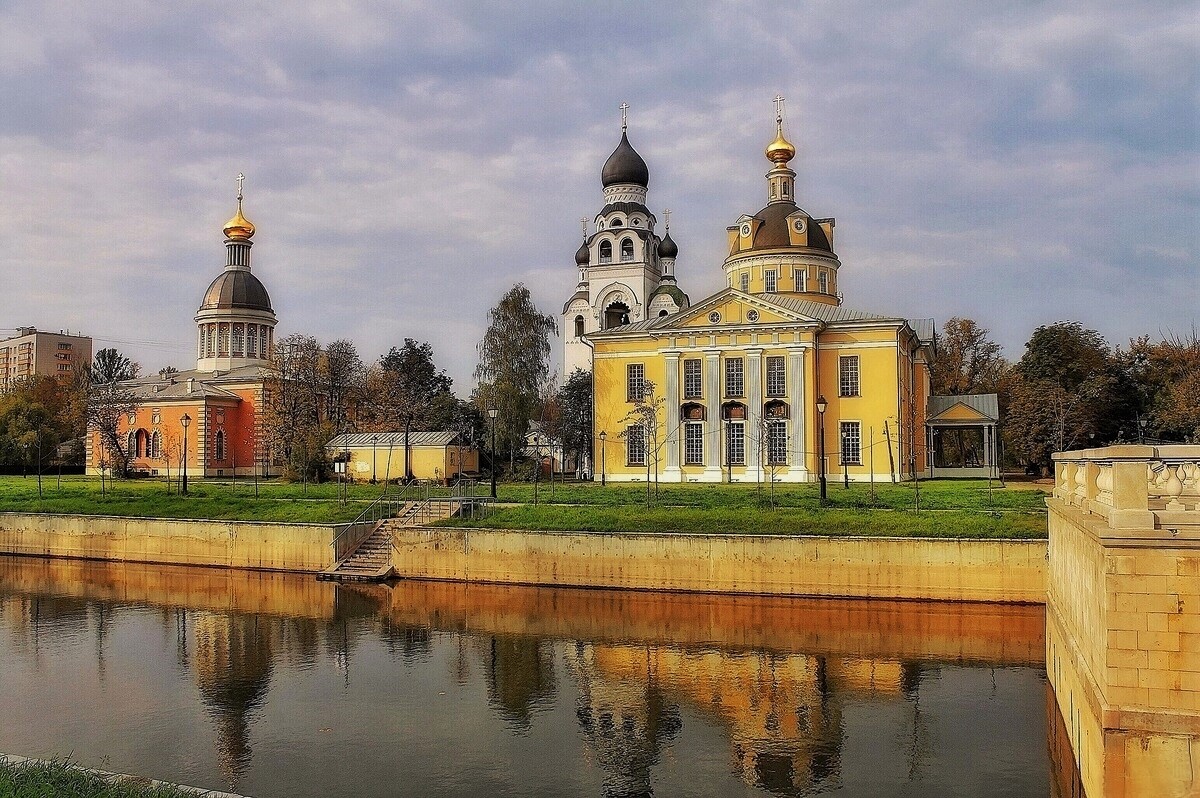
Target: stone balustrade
point(1134, 487)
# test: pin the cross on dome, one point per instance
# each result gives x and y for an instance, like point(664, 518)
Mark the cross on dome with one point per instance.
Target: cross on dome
point(624, 117)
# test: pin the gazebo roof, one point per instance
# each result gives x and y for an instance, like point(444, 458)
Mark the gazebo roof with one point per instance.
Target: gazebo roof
point(974, 408)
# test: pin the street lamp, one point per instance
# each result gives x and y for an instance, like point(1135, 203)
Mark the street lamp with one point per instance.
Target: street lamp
point(374, 441)
point(845, 459)
point(1142, 422)
point(603, 475)
point(821, 405)
point(183, 482)
point(492, 413)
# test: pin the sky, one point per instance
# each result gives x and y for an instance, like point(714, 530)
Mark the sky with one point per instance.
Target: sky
point(408, 162)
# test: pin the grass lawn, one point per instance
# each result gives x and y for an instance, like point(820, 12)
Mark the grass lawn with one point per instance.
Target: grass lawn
point(147, 498)
point(38, 779)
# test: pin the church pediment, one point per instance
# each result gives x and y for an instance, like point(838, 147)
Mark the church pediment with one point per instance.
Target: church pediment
point(732, 308)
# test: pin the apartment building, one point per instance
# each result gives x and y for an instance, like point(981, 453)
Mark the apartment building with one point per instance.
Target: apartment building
point(32, 351)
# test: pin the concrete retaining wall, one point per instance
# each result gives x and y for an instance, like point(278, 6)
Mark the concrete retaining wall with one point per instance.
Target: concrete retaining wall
point(904, 568)
point(232, 544)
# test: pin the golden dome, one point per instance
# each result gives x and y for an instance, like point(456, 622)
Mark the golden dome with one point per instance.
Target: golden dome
point(780, 151)
point(239, 227)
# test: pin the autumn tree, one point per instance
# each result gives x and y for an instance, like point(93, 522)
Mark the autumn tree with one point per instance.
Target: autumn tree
point(341, 383)
point(514, 365)
point(109, 403)
point(1166, 376)
point(968, 360)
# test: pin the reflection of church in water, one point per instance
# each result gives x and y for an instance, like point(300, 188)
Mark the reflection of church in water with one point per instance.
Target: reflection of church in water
point(782, 711)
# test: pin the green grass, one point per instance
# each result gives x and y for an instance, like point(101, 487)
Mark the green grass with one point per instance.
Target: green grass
point(144, 498)
point(935, 495)
point(41, 779)
point(754, 520)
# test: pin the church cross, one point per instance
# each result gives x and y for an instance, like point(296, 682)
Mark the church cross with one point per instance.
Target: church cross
point(583, 225)
point(779, 108)
point(624, 117)
point(667, 214)
point(240, 178)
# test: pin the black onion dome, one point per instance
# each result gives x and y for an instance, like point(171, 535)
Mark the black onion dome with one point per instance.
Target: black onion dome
point(625, 166)
point(668, 248)
point(773, 232)
point(581, 255)
point(236, 288)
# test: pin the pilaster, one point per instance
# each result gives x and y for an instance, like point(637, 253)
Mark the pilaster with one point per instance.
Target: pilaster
point(671, 422)
point(712, 425)
point(798, 417)
point(754, 409)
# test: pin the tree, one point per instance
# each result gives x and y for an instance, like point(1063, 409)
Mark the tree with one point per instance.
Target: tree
point(1166, 376)
point(575, 407)
point(968, 360)
point(647, 415)
point(407, 387)
point(110, 365)
point(514, 364)
point(1067, 391)
point(108, 403)
point(342, 377)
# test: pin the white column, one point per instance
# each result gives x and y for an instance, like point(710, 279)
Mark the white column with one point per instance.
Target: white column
point(754, 408)
point(712, 427)
point(798, 405)
point(671, 422)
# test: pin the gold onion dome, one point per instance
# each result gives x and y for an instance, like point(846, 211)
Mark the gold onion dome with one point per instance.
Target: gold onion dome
point(239, 228)
point(780, 151)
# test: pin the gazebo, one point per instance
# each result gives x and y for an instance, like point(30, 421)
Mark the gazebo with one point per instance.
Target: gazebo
point(960, 434)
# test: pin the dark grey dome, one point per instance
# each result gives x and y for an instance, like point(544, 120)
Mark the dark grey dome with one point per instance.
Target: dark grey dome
point(625, 166)
point(668, 249)
point(773, 232)
point(236, 288)
point(581, 255)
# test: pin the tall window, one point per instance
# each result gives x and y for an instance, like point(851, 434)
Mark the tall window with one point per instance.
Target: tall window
point(201, 345)
point(823, 281)
point(776, 376)
point(693, 384)
point(223, 346)
point(776, 443)
point(635, 382)
point(626, 250)
point(237, 339)
point(745, 282)
point(693, 444)
point(212, 340)
point(851, 442)
point(635, 445)
point(156, 444)
point(131, 444)
point(606, 252)
point(848, 375)
point(220, 447)
point(252, 340)
point(800, 278)
point(578, 326)
point(735, 442)
point(735, 373)
point(770, 278)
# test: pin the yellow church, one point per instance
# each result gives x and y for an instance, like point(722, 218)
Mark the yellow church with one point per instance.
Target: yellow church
point(772, 378)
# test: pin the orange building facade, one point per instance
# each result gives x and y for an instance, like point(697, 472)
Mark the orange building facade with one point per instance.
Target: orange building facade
point(209, 417)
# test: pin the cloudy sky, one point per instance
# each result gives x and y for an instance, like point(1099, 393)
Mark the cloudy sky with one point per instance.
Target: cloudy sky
point(407, 162)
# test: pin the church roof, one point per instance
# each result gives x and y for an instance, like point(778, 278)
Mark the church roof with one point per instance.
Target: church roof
point(580, 294)
point(773, 232)
point(668, 248)
point(624, 207)
point(364, 440)
point(205, 385)
point(673, 291)
point(625, 166)
point(236, 288)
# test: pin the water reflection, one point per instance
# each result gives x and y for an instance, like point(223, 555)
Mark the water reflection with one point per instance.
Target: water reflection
point(603, 693)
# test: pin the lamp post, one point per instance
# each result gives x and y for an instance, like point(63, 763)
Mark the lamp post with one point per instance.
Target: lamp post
point(845, 461)
point(603, 474)
point(185, 421)
point(1142, 422)
point(492, 413)
point(537, 464)
point(821, 405)
point(374, 442)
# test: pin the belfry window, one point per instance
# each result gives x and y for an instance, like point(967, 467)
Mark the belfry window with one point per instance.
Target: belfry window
point(745, 282)
point(237, 339)
point(626, 250)
point(252, 341)
point(606, 252)
point(578, 326)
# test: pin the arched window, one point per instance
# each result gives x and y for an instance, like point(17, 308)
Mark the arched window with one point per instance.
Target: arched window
point(616, 315)
point(626, 250)
point(156, 444)
point(578, 326)
point(220, 453)
point(606, 252)
point(615, 223)
point(131, 444)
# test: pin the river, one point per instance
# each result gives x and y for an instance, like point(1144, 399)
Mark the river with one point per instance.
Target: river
point(279, 685)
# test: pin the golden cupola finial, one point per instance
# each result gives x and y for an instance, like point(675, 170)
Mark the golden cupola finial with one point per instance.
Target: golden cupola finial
point(239, 228)
point(780, 151)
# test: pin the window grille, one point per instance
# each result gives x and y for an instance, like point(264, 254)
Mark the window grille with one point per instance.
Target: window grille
point(635, 445)
point(823, 281)
point(851, 442)
point(776, 443)
point(771, 281)
point(635, 382)
point(735, 442)
point(800, 278)
point(693, 444)
point(848, 375)
point(745, 282)
point(735, 373)
point(693, 382)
